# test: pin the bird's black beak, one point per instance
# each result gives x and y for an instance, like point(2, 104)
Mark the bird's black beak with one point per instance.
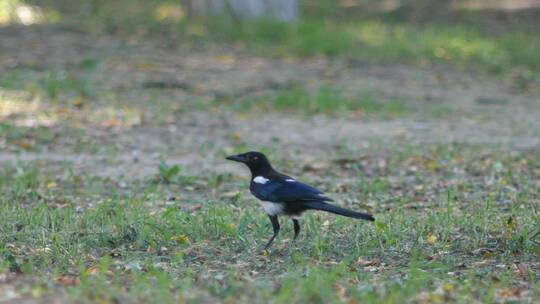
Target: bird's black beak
point(236, 158)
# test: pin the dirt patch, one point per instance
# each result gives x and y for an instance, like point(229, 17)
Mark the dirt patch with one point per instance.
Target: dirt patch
point(198, 139)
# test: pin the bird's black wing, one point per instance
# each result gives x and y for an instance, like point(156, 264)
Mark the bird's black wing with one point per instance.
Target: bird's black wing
point(287, 191)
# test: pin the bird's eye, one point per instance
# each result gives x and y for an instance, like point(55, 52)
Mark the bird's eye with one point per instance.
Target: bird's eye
point(255, 157)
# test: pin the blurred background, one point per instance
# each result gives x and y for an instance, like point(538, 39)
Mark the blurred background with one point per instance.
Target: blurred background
point(73, 74)
point(213, 77)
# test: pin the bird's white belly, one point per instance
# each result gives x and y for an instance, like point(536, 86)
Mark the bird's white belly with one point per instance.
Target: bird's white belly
point(272, 208)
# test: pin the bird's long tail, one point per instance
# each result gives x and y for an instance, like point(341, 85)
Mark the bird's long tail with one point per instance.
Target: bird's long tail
point(338, 210)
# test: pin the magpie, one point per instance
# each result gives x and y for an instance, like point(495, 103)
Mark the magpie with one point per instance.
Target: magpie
point(280, 194)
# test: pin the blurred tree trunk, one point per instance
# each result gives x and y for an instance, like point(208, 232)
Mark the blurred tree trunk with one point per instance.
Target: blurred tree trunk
point(283, 10)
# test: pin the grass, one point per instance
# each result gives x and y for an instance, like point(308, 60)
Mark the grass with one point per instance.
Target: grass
point(379, 41)
point(134, 245)
point(325, 100)
point(22, 134)
point(53, 83)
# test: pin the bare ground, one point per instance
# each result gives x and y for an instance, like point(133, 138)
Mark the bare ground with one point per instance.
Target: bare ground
point(145, 76)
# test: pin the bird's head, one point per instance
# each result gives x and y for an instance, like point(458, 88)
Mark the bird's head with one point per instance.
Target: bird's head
point(256, 161)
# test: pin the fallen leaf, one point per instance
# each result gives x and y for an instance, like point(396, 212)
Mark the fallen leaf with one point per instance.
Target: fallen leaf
point(225, 59)
point(67, 280)
point(363, 262)
point(181, 238)
point(510, 227)
point(341, 292)
point(93, 270)
point(23, 143)
point(371, 268)
point(483, 251)
point(112, 122)
point(447, 287)
point(236, 136)
point(509, 293)
point(522, 269)
point(77, 102)
point(434, 257)
point(40, 250)
point(432, 239)
point(115, 254)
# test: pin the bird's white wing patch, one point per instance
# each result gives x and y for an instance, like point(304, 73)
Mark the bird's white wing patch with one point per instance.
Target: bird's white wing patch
point(272, 208)
point(260, 180)
point(290, 180)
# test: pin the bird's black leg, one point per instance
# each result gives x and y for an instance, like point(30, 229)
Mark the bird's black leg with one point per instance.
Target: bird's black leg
point(296, 228)
point(275, 226)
